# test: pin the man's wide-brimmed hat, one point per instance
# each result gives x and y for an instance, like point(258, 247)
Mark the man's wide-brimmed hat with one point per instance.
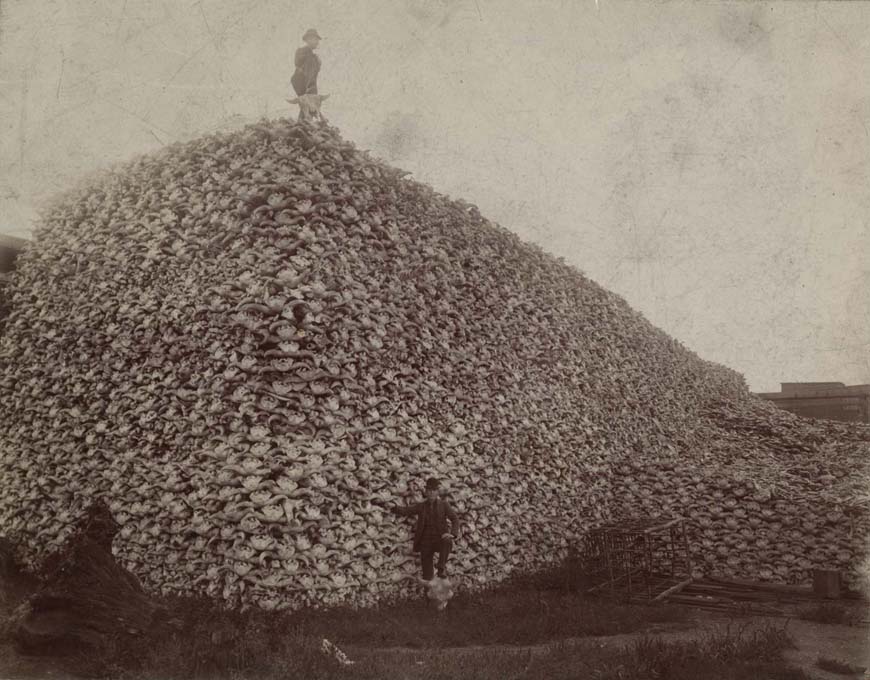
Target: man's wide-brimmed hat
point(311, 33)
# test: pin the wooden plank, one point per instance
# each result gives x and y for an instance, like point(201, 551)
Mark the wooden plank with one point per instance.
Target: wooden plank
point(754, 595)
point(684, 597)
point(756, 585)
point(673, 589)
point(742, 595)
point(719, 605)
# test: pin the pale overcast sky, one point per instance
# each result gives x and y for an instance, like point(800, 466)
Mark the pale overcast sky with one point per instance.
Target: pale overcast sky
point(707, 161)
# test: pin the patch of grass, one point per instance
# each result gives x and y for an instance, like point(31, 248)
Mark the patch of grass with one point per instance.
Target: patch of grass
point(570, 575)
point(838, 667)
point(411, 640)
point(737, 653)
point(490, 664)
point(202, 655)
point(526, 610)
point(207, 642)
point(204, 640)
point(724, 655)
point(827, 613)
point(505, 617)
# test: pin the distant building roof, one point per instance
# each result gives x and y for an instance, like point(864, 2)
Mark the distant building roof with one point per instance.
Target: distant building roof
point(823, 400)
point(13, 242)
point(10, 246)
point(815, 389)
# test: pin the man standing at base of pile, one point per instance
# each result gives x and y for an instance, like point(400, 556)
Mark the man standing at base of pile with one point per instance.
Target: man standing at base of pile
point(430, 533)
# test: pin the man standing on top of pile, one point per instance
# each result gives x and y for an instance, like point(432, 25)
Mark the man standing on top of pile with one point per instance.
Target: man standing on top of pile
point(307, 64)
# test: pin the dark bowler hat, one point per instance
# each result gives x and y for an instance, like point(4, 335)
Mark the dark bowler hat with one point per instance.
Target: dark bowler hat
point(311, 33)
point(432, 483)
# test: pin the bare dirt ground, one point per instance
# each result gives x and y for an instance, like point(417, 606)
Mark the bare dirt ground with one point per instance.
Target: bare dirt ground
point(847, 644)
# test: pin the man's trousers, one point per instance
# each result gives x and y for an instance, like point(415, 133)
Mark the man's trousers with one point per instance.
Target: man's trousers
point(428, 549)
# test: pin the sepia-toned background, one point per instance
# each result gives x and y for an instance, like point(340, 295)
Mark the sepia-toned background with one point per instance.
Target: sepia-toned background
point(707, 161)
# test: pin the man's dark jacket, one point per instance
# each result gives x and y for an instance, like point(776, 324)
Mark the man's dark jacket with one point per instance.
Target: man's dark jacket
point(438, 513)
point(304, 79)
